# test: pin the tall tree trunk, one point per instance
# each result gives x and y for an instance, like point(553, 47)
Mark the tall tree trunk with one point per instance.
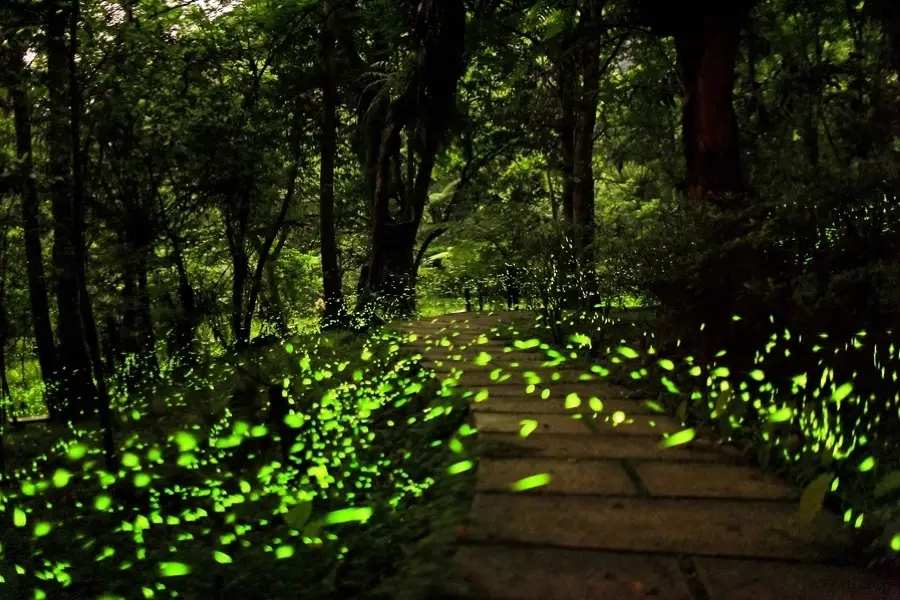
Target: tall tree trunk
point(424, 111)
point(34, 254)
point(85, 307)
point(334, 314)
point(707, 45)
point(583, 167)
point(707, 37)
point(75, 379)
point(276, 305)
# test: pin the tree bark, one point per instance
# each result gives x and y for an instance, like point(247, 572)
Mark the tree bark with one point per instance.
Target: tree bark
point(34, 254)
point(334, 314)
point(707, 46)
point(75, 380)
point(424, 111)
point(583, 154)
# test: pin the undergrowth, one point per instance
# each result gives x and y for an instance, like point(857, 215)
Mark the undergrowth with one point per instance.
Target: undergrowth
point(315, 468)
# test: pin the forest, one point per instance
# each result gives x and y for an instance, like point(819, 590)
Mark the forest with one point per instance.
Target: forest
point(211, 212)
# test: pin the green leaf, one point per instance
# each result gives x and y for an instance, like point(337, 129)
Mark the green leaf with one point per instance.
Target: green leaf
point(666, 364)
point(889, 483)
point(681, 412)
point(299, 514)
point(813, 497)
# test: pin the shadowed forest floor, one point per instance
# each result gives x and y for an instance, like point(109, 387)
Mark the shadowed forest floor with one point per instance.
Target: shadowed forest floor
point(577, 503)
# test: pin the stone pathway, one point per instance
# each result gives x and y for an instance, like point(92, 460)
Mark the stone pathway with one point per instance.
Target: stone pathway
point(620, 518)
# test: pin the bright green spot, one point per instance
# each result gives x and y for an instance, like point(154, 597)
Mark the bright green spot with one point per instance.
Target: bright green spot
point(842, 392)
point(347, 515)
point(531, 482)
point(572, 401)
point(61, 478)
point(173, 569)
point(677, 439)
point(528, 426)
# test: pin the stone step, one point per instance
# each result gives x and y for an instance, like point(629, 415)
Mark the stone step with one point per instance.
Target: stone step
point(712, 481)
point(566, 476)
point(554, 423)
point(486, 572)
point(720, 528)
point(555, 405)
point(759, 580)
point(603, 390)
point(517, 376)
point(491, 572)
point(591, 447)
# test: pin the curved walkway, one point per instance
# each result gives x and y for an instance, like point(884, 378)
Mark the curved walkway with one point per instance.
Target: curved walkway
point(619, 518)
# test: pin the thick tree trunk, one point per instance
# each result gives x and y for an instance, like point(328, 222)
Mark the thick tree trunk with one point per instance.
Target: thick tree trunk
point(424, 111)
point(334, 314)
point(34, 254)
point(707, 46)
point(75, 379)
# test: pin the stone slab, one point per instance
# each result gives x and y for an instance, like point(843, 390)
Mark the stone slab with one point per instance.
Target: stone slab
point(710, 480)
point(550, 423)
point(566, 476)
point(508, 404)
point(601, 389)
point(517, 377)
point(589, 447)
point(754, 580)
point(512, 423)
point(502, 573)
point(718, 528)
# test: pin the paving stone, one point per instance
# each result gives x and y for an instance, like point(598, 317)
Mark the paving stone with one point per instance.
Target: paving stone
point(601, 389)
point(550, 423)
point(588, 447)
point(511, 423)
point(753, 580)
point(517, 377)
point(509, 404)
point(502, 573)
point(721, 481)
point(593, 477)
point(703, 527)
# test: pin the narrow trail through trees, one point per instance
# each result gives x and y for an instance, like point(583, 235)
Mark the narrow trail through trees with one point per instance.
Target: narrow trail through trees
point(576, 504)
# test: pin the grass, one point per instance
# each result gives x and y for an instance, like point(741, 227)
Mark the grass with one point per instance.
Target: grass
point(347, 494)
